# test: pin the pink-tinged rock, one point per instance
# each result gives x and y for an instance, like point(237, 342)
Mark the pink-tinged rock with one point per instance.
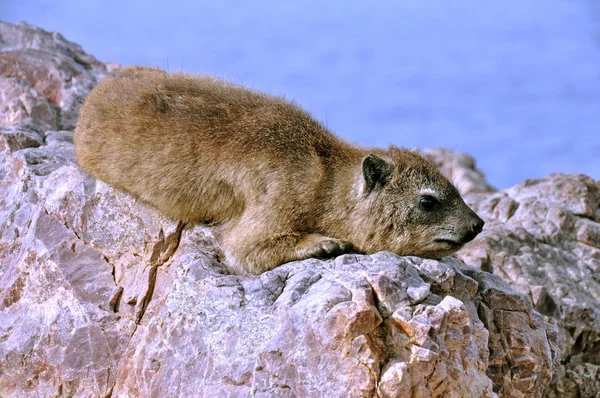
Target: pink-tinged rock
point(311, 328)
point(543, 237)
point(63, 324)
point(112, 66)
point(460, 169)
point(54, 67)
point(21, 104)
point(446, 358)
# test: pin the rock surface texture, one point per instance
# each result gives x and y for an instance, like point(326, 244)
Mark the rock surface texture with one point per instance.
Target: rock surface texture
point(543, 238)
point(102, 296)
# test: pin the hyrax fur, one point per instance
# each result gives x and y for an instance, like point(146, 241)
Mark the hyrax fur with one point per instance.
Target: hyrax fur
point(277, 183)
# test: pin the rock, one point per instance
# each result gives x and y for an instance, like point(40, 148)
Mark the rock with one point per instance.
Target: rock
point(21, 104)
point(58, 136)
point(57, 69)
point(460, 169)
point(102, 296)
point(543, 237)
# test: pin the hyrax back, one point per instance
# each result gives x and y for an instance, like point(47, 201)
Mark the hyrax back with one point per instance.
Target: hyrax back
point(277, 183)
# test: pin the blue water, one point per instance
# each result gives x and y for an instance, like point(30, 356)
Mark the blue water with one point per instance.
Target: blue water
point(515, 83)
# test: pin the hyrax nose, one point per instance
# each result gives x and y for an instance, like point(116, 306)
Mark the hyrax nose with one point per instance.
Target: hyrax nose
point(478, 225)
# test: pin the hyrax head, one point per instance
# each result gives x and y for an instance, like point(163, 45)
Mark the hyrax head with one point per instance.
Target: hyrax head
point(419, 212)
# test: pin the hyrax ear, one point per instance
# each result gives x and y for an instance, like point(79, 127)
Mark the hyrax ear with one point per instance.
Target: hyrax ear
point(376, 172)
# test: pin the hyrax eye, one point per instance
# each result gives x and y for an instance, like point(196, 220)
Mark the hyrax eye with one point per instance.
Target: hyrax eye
point(428, 203)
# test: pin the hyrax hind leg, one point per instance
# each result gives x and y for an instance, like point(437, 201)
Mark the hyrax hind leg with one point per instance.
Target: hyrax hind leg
point(252, 248)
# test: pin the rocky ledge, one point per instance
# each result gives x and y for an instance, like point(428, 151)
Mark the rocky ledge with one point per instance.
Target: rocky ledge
point(102, 296)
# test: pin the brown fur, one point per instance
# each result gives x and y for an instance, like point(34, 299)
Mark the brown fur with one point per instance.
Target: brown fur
point(280, 186)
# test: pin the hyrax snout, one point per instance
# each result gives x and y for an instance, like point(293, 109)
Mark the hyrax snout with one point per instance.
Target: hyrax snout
point(277, 185)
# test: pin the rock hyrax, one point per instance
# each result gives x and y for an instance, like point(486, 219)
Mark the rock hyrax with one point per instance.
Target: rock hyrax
point(278, 184)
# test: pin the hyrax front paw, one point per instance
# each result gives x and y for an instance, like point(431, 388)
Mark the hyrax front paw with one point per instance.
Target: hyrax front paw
point(323, 247)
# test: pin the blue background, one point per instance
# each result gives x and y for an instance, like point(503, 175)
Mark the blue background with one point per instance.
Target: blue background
point(515, 83)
